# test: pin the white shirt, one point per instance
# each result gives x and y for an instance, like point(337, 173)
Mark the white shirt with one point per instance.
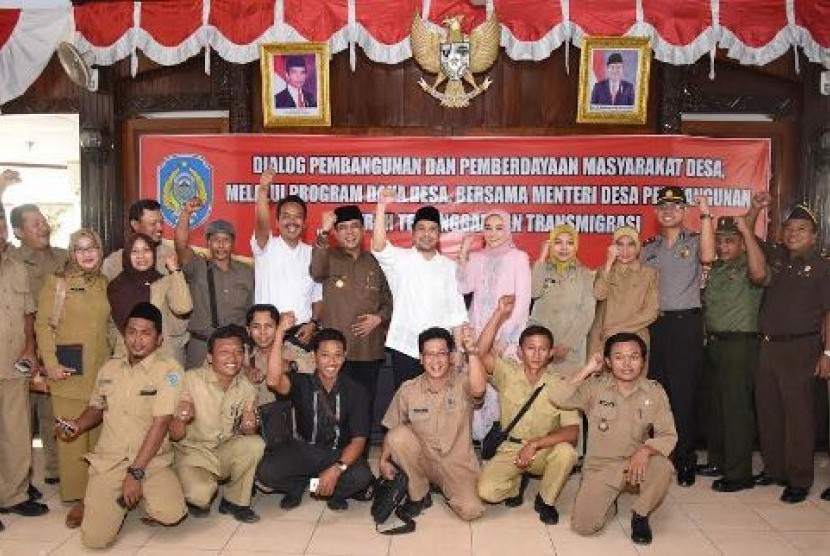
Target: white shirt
point(424, 294)
point(281, 277)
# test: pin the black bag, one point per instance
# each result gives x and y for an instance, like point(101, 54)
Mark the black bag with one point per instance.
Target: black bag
point(495, 436)
point(390, 496)
point(277, 422)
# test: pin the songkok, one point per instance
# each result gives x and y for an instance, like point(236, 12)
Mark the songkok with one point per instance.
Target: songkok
point(346, 213)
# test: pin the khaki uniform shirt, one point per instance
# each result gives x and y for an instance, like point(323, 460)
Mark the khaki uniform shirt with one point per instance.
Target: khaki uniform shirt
point(234, 294)
point(216, 415)
point(679, 267)
point(619, 424)
point(353, 287)
point(797, 293)
point(39, 264)
point(564, 305)
point(114, 263)
point(631, 294)
point(131, 396)
point(730, 300)
point(16, 301)
point(542, 417)
point(441, 419)
point(264, 394)
point(84, 320)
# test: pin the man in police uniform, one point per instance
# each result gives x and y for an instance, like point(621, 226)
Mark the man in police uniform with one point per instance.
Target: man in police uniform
point(677, 335)
point(795, 328)
point(429, 438)
point(135, 397)
point(631, 435)
point(215, 430)
point(18, 344)
point(731, 304)
point(542, 441)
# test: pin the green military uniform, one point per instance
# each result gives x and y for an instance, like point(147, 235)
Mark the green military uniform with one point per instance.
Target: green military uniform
point(500, 478)
point(730, 312)
point(213, 448)
point(84, 320)
point(619, 424)
point(131, 397)
point(40, 264)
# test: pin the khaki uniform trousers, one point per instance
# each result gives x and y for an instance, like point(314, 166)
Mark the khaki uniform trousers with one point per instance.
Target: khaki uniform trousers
point(599, 488)
point(72, 467)
point(500, 478)
point(15, 441)
point(41, 409)
point(424, 465)
point(162, 500)
point(235, 460)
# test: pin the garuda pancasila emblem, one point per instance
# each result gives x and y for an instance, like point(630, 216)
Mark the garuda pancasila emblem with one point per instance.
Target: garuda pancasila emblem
point(455, 57)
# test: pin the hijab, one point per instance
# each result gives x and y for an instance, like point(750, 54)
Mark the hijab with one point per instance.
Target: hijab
point(72, 268)
point(562, 266)
point(132, 286)
point(628, 231)
point(505, 245)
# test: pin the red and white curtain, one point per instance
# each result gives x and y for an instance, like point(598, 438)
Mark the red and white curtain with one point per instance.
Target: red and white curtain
point(169, 32)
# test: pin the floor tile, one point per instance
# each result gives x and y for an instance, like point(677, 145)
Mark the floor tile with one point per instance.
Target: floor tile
point(809, 542)
point(727, 515)
point(290, 537)
point(756, 543)
point(488, 540)
point(452, 538)
point(611, 540)
point(794, 517)
point(211, 533)
point(268, 507)
point(26, 547)
point(679, 543)
point(347, 539)
point(158, 551)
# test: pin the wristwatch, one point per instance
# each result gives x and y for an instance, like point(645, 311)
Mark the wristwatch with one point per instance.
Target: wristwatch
point(341, 465)
point(136, 473)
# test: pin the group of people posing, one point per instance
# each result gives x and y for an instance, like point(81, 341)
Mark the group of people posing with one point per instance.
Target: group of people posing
point(283, 362)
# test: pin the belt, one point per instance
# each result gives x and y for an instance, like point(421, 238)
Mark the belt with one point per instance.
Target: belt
point(787, 337)
point(732, 335)
point(681, 313)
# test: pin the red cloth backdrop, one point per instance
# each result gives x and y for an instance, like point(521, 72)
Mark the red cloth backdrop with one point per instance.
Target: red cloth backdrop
point(169, 32)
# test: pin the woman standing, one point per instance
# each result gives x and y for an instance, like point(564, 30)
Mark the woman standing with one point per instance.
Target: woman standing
point(564, 294)
point(140, 281)
point(629, 288)
point(71, 327)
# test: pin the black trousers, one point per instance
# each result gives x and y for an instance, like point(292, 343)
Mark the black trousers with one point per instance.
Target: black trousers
point(404, 367)
point(289, 467)
point(366, 374)
point(675, 362)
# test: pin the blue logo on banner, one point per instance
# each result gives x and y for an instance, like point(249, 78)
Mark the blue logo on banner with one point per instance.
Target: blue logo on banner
point(180, 178)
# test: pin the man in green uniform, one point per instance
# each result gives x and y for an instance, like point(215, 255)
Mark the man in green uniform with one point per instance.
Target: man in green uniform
point(730, 312)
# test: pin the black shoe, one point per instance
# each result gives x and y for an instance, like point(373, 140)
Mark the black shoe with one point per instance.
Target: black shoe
point(240, 513)
point(52, 480)
point(196, 511)
point(794, 495)
point(547, 513)
point(337, 504)
point(732, 485)
point(686, 476)
point(33, 493)
point(710, 470)
point(825, 494)
point(291, 500)
point(29, 508)
point(763, 479)
point(640, 529)
point(518, 500)
point(414, 508)
point(365, 495)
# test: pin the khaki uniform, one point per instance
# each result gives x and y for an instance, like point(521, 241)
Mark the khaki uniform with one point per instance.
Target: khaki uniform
point(500, 477)
point(632, 301)
point(40, 264)
point(131, 398)
point(564, 305)
point(213, 448)
point(84, 320)
point(619, 425)
point(430, 438)
point(16, 301)
point(171, 295)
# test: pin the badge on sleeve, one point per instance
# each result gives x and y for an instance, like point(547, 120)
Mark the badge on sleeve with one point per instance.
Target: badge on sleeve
point(173, 379)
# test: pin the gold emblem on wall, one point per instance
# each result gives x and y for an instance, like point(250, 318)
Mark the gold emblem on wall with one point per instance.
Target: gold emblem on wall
point(455, 57)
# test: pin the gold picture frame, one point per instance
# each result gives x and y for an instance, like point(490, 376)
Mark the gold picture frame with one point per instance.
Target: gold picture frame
point(613, 80)
point(305, 66)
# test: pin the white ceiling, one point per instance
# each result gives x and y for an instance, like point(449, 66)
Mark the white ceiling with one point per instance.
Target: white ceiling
point(39, 139)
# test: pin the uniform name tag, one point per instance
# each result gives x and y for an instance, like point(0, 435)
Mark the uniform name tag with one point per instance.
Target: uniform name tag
point(607, 403)
point(420, 410)
point(148, 392)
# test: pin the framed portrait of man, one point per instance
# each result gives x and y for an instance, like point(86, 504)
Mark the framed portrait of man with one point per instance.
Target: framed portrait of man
point(613, 80)
point(295, 84)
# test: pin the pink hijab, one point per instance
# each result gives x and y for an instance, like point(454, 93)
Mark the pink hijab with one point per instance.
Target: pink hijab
point(507, 244)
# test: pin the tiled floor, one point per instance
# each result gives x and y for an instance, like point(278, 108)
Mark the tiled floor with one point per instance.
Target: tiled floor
point(693, 521)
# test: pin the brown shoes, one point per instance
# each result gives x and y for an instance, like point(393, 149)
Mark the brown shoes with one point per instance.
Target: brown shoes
point(75, 515)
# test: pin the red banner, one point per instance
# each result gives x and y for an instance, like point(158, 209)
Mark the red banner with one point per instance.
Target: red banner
point(594, 183)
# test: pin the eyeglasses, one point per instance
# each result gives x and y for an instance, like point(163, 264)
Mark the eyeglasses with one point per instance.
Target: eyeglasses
point(87, 249)
point(436, 354)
